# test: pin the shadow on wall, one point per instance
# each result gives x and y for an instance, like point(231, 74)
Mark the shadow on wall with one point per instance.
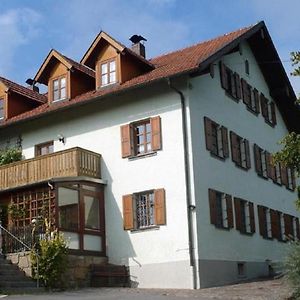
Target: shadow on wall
point(119, 248)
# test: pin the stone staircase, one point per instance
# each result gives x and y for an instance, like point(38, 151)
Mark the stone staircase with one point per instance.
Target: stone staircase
point(12, 279)
point(109, 275)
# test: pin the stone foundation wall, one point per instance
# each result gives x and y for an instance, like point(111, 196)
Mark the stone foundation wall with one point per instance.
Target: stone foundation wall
point(77, 274)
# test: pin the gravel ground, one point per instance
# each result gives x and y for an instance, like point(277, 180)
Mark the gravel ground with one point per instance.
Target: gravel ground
point(268, 289)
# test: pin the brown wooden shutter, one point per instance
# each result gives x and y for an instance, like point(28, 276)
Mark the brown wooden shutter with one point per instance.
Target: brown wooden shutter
point(283, 175)
point(156, 133)
point(229, 211)
point(252, 218)
point(233, 85)
point(225, 141)
point(160, 207)
point(246, 98)
point(126, 143)
point(208, 133)
point(257, 157)
point(234, 147)
point(264, 106)
point(273, 113)
point(275, 224)
point(288, 225)
point(223, 76)
point(270, 168)
point(238, 86)
point(262, 220)
point(247, 152)
point(212, 197)
point(238, 214)
point(256, 100)
point(128, 212)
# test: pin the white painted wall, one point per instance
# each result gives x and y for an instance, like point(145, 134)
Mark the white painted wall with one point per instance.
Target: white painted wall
point(207, 98)
point(97, 127)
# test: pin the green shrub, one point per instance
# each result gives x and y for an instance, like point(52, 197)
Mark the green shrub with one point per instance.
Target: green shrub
point(10, 155)
point(292, 268)
point(53, 260)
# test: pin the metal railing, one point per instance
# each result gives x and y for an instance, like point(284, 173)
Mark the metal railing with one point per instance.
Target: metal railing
point(4, 242)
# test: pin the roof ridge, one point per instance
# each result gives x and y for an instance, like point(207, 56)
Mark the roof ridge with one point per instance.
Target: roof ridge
point(202, 42)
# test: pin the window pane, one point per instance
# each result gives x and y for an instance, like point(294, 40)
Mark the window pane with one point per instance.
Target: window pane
point(68, 208)
point(56, 95)
point(55, 84)
point(91, 211)
point(72, 239)
point(112, 77)
point(148, 127)
point(148, 138)
point(141, 149)
point(104, 69)
point(140, 129)
point(92, 242)
point(145, 210)
point(104, 79)
point(63, 93)
point(149, 148)
point(112, 66)
point(63, 82)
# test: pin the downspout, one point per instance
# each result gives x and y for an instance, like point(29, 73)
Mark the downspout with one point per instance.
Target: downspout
point(190, 205)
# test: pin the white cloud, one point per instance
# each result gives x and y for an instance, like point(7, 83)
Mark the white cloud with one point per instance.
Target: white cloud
point(18, 27)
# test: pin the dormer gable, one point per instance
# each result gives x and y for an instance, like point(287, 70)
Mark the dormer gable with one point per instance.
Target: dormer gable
point(16, 99)
point(113, 62)
point(64, 77)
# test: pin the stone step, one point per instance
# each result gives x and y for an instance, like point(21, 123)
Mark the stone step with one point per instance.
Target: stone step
point(22, 290)
point(10, 271)
point(16, 276)
point(17, 284)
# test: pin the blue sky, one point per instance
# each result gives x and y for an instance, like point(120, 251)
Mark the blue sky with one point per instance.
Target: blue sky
point(30, 28)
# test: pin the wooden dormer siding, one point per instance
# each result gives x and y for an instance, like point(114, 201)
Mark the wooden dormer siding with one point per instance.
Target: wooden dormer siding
point(17, 99)
point(64, 77)
point(105, 49)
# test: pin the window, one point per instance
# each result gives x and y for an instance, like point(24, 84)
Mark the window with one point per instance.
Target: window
point(241, 269)
point(264, 218)
point(247, 67)
point(216, 138)
point(142, 137)
point(268, 110)
point(108, 72)
point(81, 216)
point(59, 88)
point(221, 214)
point(230, 82)
point(244, 216)
point(144, 210)
point(291, 183)
point(277, 173)
point(240, 151)
point(250, 97)
point(2, 109)
point(263, 163)
point(45, 148)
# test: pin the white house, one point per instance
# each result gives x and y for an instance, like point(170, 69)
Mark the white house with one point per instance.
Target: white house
point(162, 165)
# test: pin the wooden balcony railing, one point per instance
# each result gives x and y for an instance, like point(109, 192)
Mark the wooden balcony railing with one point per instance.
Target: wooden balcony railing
point(73, 162)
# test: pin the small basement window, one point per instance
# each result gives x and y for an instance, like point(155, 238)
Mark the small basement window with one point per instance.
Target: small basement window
point(241, 269)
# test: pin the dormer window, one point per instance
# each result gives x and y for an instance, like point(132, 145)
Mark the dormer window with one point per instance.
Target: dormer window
point(108, 72)
point(1, 109)
point(59, 88)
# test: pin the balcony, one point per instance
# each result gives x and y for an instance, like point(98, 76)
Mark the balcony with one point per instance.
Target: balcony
point(73, 162)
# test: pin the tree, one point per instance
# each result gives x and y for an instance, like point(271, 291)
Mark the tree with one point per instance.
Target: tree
point(290, 154)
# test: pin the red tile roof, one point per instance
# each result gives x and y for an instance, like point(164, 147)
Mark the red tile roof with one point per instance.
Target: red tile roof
point(168, 65)
point(78, 66)
point(22, 90)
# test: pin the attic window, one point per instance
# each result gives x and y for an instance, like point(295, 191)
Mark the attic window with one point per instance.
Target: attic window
point(108, 72)
point(1, 109)
point(59, 88)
